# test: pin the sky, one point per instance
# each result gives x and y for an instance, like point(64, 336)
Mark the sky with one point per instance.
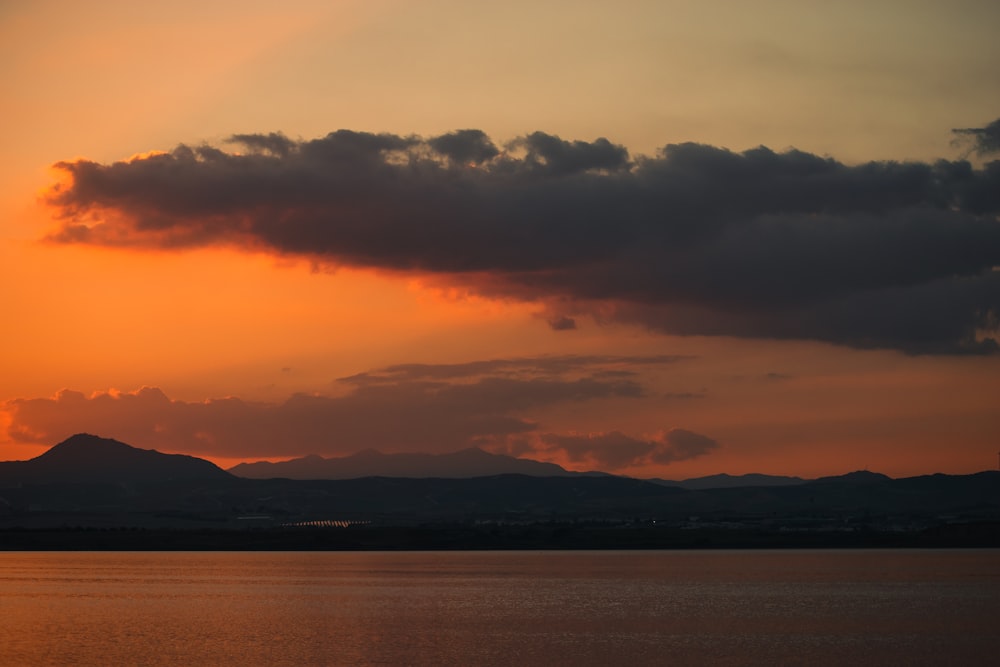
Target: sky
point(661, 239)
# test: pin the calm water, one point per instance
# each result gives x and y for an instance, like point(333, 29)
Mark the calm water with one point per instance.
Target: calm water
point(474, 608)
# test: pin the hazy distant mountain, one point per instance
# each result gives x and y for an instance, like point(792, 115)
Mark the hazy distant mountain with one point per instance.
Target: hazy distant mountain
point(370, 463)
point(724, 481)
point(856, 477)
point(89, 459)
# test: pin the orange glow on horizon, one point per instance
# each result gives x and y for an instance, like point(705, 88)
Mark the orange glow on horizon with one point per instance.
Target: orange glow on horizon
point(241, 320)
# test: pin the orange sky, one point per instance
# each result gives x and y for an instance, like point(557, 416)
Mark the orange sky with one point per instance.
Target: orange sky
point(261, 325)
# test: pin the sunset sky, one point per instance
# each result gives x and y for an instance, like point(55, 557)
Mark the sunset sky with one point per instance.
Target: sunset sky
point(662, 238)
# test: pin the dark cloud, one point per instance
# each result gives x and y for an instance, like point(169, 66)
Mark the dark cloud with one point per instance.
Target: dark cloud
point(554, 155)
point(693, 240)
point(465, 146)
point(523, 368)
point(982, 140)
point(561, 323)
point(684, 395)
point(401, 408)
point(274, 143)
point(682, 445)
point(616, 451)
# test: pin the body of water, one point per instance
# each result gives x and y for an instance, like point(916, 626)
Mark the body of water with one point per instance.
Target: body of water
point(499, 608)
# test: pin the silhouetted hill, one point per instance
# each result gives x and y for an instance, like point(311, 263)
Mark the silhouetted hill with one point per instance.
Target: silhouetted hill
point(854, 496)
point(370, 463)
point(231, 502)
point(91, 481)
point(89, 459)
point(856, 477)
point(724, 481)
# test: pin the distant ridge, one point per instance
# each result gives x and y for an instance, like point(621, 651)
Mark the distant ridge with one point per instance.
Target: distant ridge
point(86, 458)
point(856, 477)
point(724, 481)
point(466, 463)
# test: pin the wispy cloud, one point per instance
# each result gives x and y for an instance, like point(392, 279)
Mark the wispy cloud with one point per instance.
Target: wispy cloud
point(981, 140)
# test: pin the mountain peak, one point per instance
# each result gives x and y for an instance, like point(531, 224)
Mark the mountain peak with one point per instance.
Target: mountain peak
point(90, 458)
point(857, 477)
point(83, 447)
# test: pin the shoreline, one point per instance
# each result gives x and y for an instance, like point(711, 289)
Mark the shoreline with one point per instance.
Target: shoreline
point(475, 538)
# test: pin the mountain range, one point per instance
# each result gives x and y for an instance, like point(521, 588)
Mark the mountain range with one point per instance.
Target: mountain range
point(471, 462)
point(90, 458)
point(92, 481)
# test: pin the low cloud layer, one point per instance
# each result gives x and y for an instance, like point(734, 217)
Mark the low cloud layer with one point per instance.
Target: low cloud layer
point(409, 407)
point(693, 240)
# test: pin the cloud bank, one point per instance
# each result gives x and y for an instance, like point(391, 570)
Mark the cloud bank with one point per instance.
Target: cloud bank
point(693, 240)
point(407, 407)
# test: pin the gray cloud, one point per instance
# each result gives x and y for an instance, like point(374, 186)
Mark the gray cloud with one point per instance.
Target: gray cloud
point(465, 146)
point(522, 368)
point(561, 323)
point(693, 240)
point(551, 154)
point(982, 140)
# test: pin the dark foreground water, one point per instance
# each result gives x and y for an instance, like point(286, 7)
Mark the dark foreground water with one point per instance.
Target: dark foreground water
point(517, 608)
